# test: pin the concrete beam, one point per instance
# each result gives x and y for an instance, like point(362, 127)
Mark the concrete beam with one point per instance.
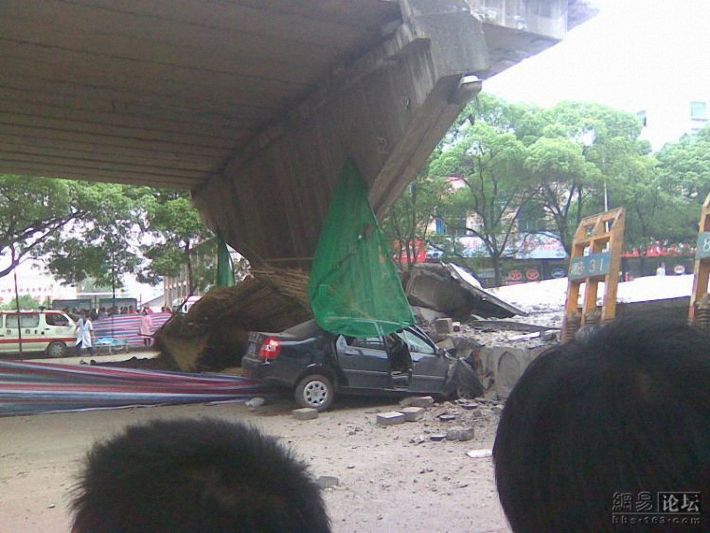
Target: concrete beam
point(386, 110)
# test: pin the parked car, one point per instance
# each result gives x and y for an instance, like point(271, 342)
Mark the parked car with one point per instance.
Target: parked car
point(317, 365)
point(42, 331)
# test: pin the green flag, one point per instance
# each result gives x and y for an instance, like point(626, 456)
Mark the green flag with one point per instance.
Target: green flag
point(225, 274)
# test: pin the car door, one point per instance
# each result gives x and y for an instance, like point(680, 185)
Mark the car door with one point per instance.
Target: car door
point(364, 362)
point(428, 367)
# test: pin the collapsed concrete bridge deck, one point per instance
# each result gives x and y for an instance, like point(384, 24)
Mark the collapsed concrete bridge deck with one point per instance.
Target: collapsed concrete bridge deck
point(253, 105)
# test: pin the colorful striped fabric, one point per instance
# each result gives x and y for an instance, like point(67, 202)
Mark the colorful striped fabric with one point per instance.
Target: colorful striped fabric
point(125, 328)
point(31, 388)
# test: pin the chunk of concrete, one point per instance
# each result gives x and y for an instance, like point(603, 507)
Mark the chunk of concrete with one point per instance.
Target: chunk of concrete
point(462, 434)
point(549, 335)
point(444, 326)
point(306, 413)
point(412, 414)
point(479, 454)
point(390, 418)
point(255, 402)
point(417, 401)
point(327, 482)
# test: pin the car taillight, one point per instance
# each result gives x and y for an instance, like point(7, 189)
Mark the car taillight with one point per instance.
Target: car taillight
point(270, 349)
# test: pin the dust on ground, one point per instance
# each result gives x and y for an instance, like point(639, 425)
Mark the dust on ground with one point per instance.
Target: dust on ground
point(390, 478)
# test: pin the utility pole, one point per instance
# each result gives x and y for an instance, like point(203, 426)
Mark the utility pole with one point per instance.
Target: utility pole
point(17, 306)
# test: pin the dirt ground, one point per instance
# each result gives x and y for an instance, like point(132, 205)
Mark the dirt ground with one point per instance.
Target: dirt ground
point(390, 478)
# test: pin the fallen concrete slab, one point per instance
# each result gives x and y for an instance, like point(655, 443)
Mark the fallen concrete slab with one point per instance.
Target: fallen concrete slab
point(450, 289)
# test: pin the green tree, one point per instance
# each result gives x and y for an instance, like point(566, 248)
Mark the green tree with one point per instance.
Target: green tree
point(26, 302)
point(654, 211)
point(563, 179)
point(102, 245)
point(490, 163)
point(33, 210)
point(176, 229)
point(685, 165)
point(407, 222)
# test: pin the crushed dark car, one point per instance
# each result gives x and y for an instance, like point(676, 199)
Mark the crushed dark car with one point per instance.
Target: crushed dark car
point(318, 365)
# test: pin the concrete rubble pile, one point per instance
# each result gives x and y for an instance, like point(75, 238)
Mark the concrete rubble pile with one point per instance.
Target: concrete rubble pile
point(214, 333)
point(469, 321)
point(457, 421)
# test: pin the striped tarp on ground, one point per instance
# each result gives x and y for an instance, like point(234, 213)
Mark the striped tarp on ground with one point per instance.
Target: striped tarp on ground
point(30, 388)
point(126, 327)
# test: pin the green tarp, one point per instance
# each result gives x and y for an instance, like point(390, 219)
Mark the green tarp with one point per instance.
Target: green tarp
point(354, 286)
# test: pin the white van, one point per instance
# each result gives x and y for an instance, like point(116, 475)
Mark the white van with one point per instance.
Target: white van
point(51, 332)
point(182, 306)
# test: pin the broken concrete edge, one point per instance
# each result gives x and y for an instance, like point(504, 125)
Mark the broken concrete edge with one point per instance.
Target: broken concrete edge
point(451, 290)
point(465, 279)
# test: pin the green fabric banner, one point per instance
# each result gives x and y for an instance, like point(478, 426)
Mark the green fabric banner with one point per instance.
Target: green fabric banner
point(354, 286)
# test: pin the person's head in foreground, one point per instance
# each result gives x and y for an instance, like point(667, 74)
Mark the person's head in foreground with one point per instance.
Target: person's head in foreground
point(595, 426)
point(208, 475)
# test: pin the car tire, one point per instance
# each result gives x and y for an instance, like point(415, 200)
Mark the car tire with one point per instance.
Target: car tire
point(315, 391)
point(56, 349)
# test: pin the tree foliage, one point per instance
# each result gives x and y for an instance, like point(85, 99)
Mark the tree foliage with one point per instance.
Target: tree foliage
point(175, 228)
point(101, 245)
point(565, 162)
point(26, 302)
point(31, 211)
point(102, 231)
point(490, 163)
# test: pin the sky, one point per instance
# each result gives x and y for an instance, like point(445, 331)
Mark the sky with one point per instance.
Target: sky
point(635, 54)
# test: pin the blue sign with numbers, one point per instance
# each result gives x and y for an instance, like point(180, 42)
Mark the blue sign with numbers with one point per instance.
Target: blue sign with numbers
point(703, 250)
point(590, 266)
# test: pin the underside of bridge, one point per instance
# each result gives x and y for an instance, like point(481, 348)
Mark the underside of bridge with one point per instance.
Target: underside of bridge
point(253, 105)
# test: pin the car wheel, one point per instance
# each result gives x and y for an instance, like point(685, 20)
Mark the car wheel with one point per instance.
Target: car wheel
point(56, 349)
point(315, 391)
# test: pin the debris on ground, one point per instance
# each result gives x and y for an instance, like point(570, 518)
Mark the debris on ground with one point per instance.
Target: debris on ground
point(306, 413)
point(327, 482)
point(390, 418)
point(462, 434)
point(479, 454)
point(255, 402)
point(412, 414)
point(417, 401)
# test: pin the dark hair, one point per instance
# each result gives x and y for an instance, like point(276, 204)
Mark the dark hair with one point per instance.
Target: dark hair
point(625, 410)
point(207, 475)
